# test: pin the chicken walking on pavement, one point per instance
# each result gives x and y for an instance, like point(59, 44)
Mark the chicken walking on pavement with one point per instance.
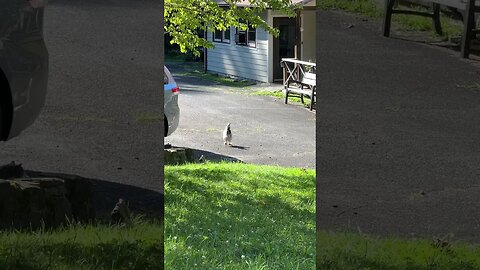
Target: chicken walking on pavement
point(227, 135)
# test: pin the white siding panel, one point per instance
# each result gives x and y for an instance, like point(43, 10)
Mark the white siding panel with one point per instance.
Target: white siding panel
point(253, 62)
point(261, 48)
point(241, 61)
point(239, 56)
point(257, 66)
point(239, 72)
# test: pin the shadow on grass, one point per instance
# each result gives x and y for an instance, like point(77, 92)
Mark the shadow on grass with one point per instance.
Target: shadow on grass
point(120, 254)
point(344, 260)
point(344, 250)
point(100, 245)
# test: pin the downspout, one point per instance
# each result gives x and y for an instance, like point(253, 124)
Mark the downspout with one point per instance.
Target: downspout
point(205, 55)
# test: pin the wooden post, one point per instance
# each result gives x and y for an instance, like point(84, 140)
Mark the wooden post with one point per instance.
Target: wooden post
point(387, 19)
point(436, 18)
point(468, 26)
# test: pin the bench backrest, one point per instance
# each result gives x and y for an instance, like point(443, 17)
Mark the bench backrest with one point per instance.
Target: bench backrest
point(310, 79)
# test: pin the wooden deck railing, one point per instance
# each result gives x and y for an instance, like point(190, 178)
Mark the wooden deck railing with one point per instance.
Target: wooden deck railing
point(294, 69)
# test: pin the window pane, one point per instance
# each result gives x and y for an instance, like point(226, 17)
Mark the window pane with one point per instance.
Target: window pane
point(242, 37)
point(226, 35)
point(252, 36)
point(218, 35)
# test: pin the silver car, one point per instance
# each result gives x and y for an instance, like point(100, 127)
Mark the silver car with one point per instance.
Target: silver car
point(170, 105)
point(23, 65)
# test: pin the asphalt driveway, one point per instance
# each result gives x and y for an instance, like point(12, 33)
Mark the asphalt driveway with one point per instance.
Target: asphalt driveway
point(265, 131)
point(398, 131)
point(103, 98)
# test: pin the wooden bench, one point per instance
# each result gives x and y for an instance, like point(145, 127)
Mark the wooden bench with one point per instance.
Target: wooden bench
point(305, 87)
point(468, 7)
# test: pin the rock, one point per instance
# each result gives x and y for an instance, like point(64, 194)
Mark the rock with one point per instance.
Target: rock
point(44, 201)
point(31, 204)
point(190, 154)
point(80, 195)
point(176, 156)
point(11, 171)
point(79, 192)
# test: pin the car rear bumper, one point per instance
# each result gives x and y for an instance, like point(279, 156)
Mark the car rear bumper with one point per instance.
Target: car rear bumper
point(172, 112)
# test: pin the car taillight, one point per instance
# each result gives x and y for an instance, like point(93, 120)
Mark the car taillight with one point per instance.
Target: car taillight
point(175, 90)
point(37, 3)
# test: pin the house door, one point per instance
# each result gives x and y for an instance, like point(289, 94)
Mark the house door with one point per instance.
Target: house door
point(284, 44)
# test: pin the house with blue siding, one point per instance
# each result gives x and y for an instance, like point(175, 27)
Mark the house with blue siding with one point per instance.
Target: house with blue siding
point(255, 54)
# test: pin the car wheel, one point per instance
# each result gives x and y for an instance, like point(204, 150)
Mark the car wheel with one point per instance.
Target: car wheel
point(165, 126)
point(1, 122)
point(5, 108)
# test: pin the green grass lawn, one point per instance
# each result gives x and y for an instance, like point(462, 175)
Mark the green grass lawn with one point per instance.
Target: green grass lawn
point(292, 98)
point(84, 247)
point(239, 216)
point(276, 94)
point(367, 8)
point(344, 251)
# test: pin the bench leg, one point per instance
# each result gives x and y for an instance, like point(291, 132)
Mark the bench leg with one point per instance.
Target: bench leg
point(436, 19)
point(387, 19)
point(468, 26)
point(286, 96)
point(312, 100)
point(301, 98)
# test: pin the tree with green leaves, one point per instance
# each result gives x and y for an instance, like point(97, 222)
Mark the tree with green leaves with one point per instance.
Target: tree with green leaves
point(185, 18)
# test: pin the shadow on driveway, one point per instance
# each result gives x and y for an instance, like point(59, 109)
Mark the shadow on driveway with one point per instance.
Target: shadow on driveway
point(142, 201)
point(211, 156)
point(240, 147)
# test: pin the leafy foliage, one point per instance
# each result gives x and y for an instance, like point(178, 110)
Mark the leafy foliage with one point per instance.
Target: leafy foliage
point(185, 19)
